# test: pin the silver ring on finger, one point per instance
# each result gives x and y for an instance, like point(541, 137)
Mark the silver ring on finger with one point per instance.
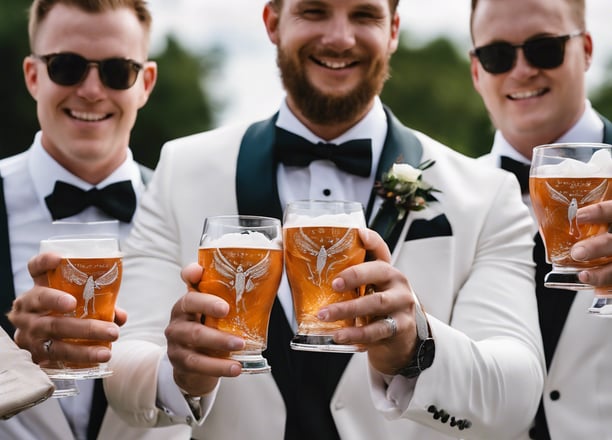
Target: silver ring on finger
point(391, 324)
point(47, 345)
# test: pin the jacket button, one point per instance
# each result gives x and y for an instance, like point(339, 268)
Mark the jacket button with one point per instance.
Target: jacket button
point(555, 395)
point(532, 433)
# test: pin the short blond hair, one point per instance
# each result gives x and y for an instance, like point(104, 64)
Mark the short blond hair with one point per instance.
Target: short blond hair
point(40, 8)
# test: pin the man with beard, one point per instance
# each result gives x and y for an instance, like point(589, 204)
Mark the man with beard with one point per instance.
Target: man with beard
point(472, 366)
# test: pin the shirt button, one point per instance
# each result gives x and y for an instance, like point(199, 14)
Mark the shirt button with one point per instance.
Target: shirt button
point(327, 192)
point(555, 395)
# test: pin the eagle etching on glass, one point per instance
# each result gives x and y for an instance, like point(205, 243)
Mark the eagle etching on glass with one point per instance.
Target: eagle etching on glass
point(573, 204)
point(240, 280)
point(75, 276)
point(307, 246)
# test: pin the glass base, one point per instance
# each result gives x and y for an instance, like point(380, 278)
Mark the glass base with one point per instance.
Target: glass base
point(64, 388)
point(252, 363)
point(601, 307)
point(565, 280)
point(96, 372)
point(324, 343)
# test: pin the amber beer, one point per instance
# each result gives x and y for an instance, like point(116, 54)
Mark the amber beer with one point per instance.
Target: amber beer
point(91, 271)
point(314, 256)
point(242, 258)
point(247, 279)
point(555, 202)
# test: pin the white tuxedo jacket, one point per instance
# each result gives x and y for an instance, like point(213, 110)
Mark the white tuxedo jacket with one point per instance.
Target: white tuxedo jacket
point(578, 389)
point(471, 267)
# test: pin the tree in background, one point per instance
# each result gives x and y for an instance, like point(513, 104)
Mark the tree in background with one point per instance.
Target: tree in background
point(178, 106)
point(430, 89)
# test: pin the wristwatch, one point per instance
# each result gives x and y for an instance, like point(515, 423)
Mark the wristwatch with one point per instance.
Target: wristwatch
point(426, 348)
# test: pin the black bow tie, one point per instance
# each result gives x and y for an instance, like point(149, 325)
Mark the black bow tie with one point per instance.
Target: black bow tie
point(117, 200)
point(354, 156)
point(519, 169)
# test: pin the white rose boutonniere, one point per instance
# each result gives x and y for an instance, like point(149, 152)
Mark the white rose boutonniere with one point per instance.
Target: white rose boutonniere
point(404, 188)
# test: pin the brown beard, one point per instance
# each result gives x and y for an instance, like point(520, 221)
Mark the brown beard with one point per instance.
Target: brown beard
point(324, 109)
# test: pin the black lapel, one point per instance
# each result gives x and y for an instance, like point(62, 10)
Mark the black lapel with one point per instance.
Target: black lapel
point(401, 145)
point(607, 130)
point(256, 190)
point(7, 294)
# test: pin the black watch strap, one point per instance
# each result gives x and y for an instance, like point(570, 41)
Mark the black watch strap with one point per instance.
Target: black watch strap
point(426, 348)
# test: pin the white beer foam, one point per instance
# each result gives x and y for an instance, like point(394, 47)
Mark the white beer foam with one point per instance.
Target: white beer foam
point(250, 239)
point(600, 165)
point(82, 247)
point(351, 220)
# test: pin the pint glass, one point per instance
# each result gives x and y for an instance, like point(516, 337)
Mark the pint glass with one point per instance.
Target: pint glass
point(321, 239)
point(242, 257)
point(564, 178)
point(90, 270)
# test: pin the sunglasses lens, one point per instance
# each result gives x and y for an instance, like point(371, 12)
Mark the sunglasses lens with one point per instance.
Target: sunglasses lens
point(66, 69)
point(545, 53)
point(496, 57)
point(118, 73)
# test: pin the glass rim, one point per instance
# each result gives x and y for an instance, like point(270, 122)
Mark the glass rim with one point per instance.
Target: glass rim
point(571, 145)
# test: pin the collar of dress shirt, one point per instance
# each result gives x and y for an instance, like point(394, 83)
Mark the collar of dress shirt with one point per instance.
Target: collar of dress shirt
point(589, 128)
point(45, 171)
point(373, 126)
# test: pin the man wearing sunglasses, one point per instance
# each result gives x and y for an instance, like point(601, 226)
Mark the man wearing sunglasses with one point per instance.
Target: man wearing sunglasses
point(89, 75)
point(528, 64)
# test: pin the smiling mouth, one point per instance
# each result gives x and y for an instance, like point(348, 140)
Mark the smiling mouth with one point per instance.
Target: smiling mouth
point(87, 116)
point(334, 65)
point(528, 94)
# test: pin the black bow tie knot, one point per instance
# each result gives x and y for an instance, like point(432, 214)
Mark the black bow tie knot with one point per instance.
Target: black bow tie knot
point(117, 200)
point(519, 169)
point(354, 156)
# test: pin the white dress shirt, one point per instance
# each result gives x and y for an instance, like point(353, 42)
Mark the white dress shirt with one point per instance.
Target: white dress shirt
point(28, 178)
point(321, 180)
point(589, 128)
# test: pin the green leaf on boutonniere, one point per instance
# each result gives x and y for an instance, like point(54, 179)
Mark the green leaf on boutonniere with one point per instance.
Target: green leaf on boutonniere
point(403, 189)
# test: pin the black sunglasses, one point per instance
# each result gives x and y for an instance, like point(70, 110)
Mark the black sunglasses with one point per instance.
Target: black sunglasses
point(540, 52)
point(69, 69)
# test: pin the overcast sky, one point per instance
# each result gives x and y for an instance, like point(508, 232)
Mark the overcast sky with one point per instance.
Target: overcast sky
point(250, 83)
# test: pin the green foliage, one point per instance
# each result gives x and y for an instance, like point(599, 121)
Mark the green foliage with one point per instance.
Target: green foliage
point(601, 97)
point(431, 90)
point(178, 106)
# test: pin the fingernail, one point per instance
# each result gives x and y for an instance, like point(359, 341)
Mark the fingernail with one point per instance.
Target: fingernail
point(103, 354)
point(235, 344)
point(235, 370)
point(584, 277)
point(338, 285)
point(579, 253)
point(220, 309)
point(323, 314)
point(67, 302)
point(582, 217)
point(340, 338)
point(113, 333)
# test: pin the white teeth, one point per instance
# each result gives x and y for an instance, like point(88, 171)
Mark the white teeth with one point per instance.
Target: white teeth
point(525, 95)
point(334, 64)
point(91, 117)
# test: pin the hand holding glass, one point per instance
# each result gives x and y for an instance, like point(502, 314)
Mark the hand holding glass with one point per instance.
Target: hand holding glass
point(564, 178)
point(90, 270)
point(242, 257)
point(321, 239)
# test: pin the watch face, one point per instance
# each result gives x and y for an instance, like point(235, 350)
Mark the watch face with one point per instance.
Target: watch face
point(427, 351)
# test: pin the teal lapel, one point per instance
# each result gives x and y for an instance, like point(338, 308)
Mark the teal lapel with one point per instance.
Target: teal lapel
point(607, 130)
point(256, 186)
point(256, 189)
point(401, 145)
